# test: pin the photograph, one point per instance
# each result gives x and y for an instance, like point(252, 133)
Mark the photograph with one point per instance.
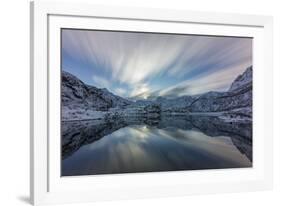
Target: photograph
point(138, 102)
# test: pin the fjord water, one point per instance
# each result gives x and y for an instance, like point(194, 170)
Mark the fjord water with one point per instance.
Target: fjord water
point(142, 145)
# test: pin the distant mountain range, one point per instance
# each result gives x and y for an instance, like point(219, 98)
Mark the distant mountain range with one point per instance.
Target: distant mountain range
point(82, 101)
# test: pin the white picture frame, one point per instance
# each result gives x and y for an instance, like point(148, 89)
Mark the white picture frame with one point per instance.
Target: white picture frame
point(46, 184)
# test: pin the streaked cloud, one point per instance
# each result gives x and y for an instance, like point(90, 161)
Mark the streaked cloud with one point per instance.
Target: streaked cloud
point(217, 81)
point(119, 91)
point(144, 64)
point(101, 82)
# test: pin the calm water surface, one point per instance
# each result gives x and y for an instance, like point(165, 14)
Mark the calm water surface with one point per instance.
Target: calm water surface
point(169, 144)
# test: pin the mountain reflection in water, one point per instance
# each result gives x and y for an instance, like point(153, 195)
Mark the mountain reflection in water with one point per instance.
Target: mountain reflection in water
point(142, 145)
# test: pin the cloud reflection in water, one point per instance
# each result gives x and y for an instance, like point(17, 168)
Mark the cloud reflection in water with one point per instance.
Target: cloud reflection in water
point(144, 148)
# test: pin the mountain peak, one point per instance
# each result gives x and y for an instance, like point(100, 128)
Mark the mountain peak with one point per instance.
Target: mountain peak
point(242, 79)
point(75, 92)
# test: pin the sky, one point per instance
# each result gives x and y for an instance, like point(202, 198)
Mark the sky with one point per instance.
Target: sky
point(147, 65)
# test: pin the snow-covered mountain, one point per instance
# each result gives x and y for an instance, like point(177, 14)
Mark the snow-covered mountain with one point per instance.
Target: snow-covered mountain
point(239, 96)
point(238, 99)
point(243, 80)
point(81, 101)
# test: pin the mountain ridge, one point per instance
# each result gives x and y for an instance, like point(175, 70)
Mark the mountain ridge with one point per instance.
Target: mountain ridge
point(81, 101)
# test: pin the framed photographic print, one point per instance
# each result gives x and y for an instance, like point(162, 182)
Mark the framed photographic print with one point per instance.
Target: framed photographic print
point(134, 103)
